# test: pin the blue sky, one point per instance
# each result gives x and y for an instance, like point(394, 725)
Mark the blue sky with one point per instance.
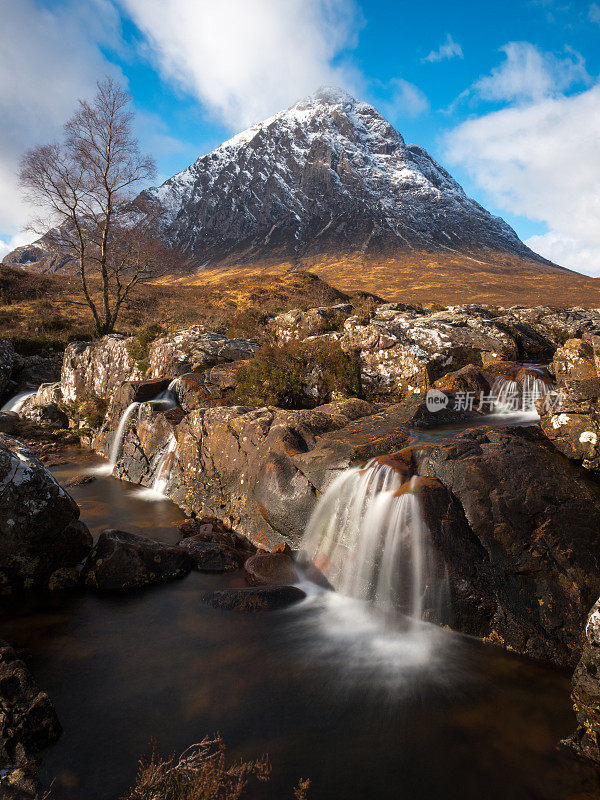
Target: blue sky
point(504, 95)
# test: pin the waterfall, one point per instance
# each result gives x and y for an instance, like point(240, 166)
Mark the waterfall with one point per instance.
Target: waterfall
point(162, 473)
point(367, 536)
point(17, 402)
point(534, 387)
point(117, 442)
point(507, 396)
point(518, 395)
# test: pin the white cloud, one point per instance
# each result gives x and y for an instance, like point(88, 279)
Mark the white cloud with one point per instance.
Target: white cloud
point(449, 49)
point(405, 100)
point(530, 74)
point(246, 59)
point(594, 13)
point(541, 161)
point(48, 58)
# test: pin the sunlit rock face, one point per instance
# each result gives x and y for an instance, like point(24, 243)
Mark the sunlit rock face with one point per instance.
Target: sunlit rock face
point(96, 369)
point(195, 349)
point(40, 529)
point(574, 425)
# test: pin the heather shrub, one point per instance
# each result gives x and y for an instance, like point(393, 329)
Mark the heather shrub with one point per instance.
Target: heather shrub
point(298, 374)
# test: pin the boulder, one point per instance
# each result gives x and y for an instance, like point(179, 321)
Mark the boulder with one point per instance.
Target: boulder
point(49, 415)
point(97, 368)
point(46, 393)
point(122, 561)
point(518, 528)
point(211, 556)
point(9, 422)
point(268, 569)
point(466, 379)
point(573, 423)
point(211, 387)
point(28, 719)
point(64, 579)
point(297, 324)
point(253, 599)
point(40, 529)
point(32, 371)
point(8, 359)
point(406, 351)
point(194, 350)
point(586, 691)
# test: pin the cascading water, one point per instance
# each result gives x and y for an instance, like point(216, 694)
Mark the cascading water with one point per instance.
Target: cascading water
point(117, 442)
point(16, 403)
point(163, 473)
point(507, 396)
point(518, 395)
point(368, 537)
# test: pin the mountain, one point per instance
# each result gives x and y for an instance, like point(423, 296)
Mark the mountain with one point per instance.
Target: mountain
point(329, 184)
point(328, 175)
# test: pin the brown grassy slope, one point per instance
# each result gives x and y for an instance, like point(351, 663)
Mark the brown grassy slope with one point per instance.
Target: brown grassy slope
point(49, 309)
point(436, 277)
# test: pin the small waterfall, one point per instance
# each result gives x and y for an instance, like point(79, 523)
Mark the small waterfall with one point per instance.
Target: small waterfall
point(163, 473)
point(117, 442)
point(506, 392)
point(368, 537)
point(534, 388)
point(17, 402)
point(517, 395)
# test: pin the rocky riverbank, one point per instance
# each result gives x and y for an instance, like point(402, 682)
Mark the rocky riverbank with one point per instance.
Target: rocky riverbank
point(513, 512)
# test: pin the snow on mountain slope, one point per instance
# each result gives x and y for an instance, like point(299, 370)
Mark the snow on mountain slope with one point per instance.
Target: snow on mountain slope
point(328, 174)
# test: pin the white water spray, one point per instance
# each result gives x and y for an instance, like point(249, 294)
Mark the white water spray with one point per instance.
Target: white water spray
point(17, 402)
point(117, 442)
point(517, 396)
point(368, 537)
point(163, 473)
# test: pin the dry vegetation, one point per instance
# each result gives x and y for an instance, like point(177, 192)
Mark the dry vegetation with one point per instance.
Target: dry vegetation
point(201, 773)
point(42, 310)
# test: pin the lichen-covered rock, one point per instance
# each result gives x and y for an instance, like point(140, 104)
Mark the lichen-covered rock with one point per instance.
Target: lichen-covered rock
point(586, 691)
point(28, 721)
point(194, 350)
point(46, 393)
point(405, 351)
point(97, 369)
point(122, 561)
point(297, 324)
point(213, 386)
point(40, 529)
point(48, 414)
point(573, 423)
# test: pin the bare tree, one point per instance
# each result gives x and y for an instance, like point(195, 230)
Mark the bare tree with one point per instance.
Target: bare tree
point(85, 184)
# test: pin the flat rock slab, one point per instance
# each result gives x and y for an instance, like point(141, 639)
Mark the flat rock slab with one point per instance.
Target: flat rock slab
point(253, 599)
point(122, 561)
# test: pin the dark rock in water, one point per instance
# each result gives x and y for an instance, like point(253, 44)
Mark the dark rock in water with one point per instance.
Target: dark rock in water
point(265, 569)
point(253, 599)
point(64, 579)
point(9, 422)
point(39, 526)
point(586, 691)
point(122, 561)
point(80, 480)
point(519, 531)
point(28, 719)
point(49, 414)
point(209, 556)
